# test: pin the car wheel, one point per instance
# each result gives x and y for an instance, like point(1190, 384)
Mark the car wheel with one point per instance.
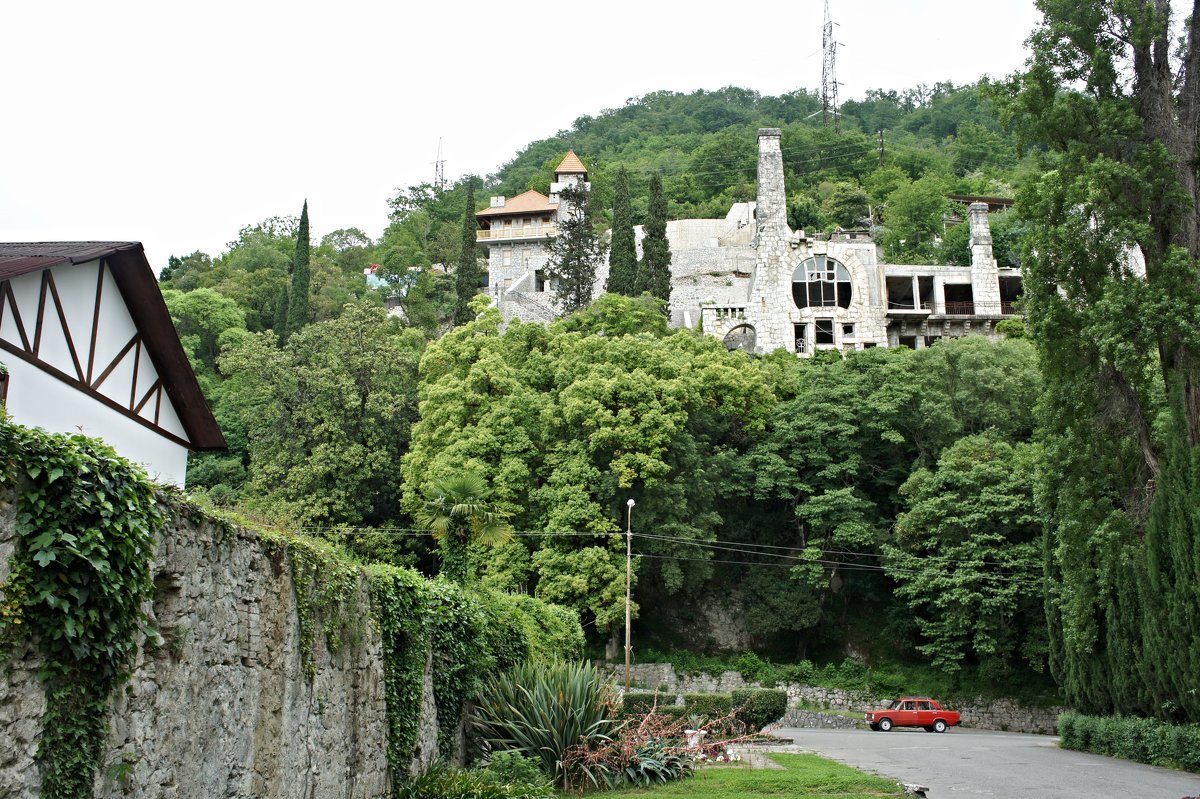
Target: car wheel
point(874, 726)
point(885, 725)
point(928, 729)
point(939, 726)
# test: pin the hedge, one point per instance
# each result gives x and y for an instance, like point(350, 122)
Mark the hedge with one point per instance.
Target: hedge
point(642, 703)
point(758, 707)
point(1138, 739)
point(711, 706)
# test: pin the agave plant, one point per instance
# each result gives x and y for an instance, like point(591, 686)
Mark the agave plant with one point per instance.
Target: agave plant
point(544, 710)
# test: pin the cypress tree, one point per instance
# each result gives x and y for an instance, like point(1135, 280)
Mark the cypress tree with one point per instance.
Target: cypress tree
point(622, 259)
point(297, 312)
point(654, 275)
point(467, 274)
point(575, 251)
point(281, 315)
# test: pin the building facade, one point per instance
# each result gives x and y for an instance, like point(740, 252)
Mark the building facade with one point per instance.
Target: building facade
point(516, 232)
point(90, 348)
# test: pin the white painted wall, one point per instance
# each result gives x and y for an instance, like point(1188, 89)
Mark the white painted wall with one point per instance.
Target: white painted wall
point(36, 399)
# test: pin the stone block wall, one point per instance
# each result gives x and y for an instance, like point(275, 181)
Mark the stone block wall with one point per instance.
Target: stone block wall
point(996, 714)
point(222, 706)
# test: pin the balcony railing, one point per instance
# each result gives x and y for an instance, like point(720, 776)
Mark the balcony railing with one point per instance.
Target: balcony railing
point(523, 232)
point(955, 308)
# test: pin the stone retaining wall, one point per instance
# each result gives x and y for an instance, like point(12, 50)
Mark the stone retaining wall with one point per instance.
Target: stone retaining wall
point(222, 706)
point(997, 714)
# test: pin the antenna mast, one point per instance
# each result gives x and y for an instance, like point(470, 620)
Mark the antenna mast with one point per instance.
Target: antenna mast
point(439, 171)
point(829, 98)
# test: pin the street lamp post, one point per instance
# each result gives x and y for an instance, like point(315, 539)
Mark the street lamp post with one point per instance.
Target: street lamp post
point(628, 574)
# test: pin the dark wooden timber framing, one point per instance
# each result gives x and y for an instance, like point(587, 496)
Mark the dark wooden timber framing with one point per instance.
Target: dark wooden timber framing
point(126, 263)
point(71, 381)
point(96, 322)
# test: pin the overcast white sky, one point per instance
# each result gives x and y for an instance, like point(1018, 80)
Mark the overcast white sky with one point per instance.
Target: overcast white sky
point(176, 124)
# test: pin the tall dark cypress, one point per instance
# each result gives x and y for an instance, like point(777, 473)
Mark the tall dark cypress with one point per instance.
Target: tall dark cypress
point(297, 313)
point(654, 274)
point(622, 258)
point(467, 275)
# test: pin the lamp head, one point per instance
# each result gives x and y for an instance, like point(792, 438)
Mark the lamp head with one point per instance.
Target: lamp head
point(630, 502)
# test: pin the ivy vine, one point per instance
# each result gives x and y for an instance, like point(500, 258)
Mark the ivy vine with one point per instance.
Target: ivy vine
point(399, 598)
point(78, 579)
point(326, 583)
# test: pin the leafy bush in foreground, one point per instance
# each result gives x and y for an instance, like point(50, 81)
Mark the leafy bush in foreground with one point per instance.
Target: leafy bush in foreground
point(447, 783)
point(543, 710)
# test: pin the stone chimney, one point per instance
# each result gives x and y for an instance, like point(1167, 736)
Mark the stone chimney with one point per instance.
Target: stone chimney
point(771, 211)
point(985, 279)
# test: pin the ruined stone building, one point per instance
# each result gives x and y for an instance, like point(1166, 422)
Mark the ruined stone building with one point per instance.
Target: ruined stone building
point(758, 285)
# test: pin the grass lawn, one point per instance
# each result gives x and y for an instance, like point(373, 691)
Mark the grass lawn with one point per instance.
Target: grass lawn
point(802, 775)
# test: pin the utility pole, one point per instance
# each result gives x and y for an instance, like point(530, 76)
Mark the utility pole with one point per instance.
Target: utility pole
point(881, 147)
point(628, 576)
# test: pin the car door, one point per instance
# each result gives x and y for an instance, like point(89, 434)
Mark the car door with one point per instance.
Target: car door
point(925, 713)
point(907, 716)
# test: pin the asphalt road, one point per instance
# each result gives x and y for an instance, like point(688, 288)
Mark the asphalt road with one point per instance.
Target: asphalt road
point(966, 762)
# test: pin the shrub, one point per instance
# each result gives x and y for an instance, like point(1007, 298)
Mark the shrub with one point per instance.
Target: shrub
point(756, 708)
point(641, 753)
point(640, 704)
point(443, 783)
point(541, 710)
point(803, 672)
point(751, 667)
point(1142, 740)
point(514, 767)
point(712, 706)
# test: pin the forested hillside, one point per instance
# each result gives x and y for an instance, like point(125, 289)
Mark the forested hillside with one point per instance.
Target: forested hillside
point(808, 496)
point(892, 505)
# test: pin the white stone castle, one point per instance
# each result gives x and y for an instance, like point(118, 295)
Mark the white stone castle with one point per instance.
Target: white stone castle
point(760, 286)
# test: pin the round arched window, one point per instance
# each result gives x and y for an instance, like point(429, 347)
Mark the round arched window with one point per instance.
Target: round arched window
point(821, 282)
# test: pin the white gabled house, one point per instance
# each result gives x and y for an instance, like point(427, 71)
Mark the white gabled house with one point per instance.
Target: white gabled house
point(89, 347)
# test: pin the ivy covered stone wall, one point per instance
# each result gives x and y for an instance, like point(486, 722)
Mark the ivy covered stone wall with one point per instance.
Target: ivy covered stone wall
point(222, 704)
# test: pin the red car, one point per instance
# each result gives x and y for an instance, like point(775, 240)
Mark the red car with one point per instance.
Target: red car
point(913, 712)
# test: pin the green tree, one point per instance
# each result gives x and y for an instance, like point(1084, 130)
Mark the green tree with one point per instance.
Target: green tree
point(279, 326)
point(847, 204)
point(654, 272)
point(326, 417)
point(200, 317)
point(298, 298)
point(967, 557)
point(575, 251)
point(914, 219)
point(457, 512)
point(1114, 99)
point(468, 277)
point(622, 260)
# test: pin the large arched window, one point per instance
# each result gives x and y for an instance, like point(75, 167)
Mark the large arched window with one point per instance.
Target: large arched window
point(820, 282)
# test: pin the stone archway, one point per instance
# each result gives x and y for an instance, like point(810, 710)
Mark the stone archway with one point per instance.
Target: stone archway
point(742, 337)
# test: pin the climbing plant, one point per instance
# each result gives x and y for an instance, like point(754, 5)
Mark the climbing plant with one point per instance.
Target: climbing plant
point(326, 584)
point(78, 579)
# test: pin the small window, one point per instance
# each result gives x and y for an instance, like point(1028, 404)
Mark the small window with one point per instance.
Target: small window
point(823, 328)
point(539, 280)
point(801, 332)
point(3, 386)
point(908, 341)
point(507, 256)
point(847, 331)
point(868, 345)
